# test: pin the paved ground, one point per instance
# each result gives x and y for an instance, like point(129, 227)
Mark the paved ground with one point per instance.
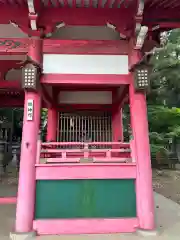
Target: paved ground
point(167, 219)
point(7, 216)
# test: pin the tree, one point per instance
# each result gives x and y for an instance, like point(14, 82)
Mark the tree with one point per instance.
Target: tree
point(165, 77)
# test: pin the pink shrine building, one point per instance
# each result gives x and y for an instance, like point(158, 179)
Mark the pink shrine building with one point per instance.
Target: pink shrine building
point(82, 60)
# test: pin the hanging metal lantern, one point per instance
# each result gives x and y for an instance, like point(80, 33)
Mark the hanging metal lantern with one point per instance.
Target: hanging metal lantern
point(30, 76)
point(142, 72)
point(142, 77)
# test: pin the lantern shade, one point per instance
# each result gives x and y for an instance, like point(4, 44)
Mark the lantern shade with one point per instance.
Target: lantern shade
point(30, 76)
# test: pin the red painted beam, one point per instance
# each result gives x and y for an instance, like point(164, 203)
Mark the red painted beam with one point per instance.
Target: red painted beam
point(75, 88)
point(4, 84)
point(72, 107)
point(16, 46)
point(85, 79)
point(20, 46)
point(119, 47)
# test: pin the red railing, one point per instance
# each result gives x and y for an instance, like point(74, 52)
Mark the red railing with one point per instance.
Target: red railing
point(77, 152)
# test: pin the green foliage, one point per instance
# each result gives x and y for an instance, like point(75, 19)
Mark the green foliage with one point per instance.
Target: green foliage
point(163, 119)
point(165, 77)
point(164, 99)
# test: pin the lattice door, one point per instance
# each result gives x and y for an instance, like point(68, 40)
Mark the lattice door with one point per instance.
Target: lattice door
point(91, 126)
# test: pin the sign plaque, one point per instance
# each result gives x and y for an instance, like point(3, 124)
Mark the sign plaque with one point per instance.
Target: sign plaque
point(30, 109)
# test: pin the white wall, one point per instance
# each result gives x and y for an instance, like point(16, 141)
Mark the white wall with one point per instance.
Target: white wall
point(85, 97)
point(85, 64)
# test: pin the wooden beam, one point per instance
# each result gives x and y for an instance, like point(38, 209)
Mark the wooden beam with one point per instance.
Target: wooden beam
point(85, 79)
point(119, 47)
point(19, 46)
point(4, 84)
point(16, 46)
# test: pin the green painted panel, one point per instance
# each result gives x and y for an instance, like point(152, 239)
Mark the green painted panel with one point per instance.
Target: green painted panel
point(109, 198)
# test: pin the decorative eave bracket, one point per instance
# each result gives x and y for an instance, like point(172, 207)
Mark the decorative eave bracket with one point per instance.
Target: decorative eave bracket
point(32, 15)
point(140, 31)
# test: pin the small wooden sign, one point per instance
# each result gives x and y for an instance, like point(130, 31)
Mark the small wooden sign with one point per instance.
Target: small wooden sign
point(30, 109)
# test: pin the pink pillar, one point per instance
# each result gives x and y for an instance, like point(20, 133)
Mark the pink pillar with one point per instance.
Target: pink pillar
point(117, 125)
point(52, 125)
point(144, 191)
point(26, 188)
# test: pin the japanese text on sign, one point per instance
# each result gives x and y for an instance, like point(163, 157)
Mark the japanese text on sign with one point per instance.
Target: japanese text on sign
point(30, 109)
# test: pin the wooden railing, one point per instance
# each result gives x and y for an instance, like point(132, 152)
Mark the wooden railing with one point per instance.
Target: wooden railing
point(80, 152)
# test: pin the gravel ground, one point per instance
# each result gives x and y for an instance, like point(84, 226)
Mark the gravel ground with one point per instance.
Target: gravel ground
point(167, 183)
